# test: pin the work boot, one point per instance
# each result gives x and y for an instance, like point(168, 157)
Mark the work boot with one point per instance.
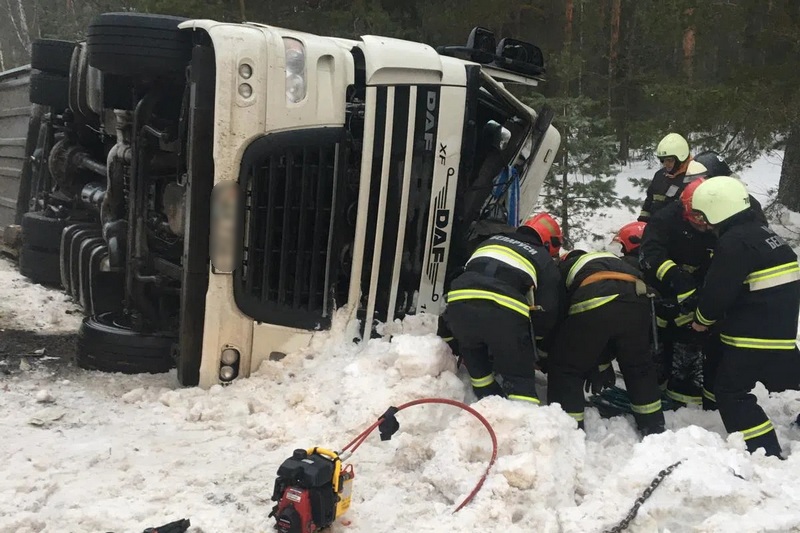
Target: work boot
point(768, 441)
point(650, 424)
point(519, 388)
point(651, 429)
point(490, 390)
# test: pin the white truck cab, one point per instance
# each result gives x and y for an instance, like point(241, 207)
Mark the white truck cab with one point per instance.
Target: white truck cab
point(293, 175)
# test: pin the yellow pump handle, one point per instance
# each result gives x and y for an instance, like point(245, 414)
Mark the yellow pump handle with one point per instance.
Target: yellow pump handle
point(337, 463)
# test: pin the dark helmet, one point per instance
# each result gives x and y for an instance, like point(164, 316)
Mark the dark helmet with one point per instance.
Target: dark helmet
point(714, 163)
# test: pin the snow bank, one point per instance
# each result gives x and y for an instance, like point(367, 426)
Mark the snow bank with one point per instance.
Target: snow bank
point(92, 452)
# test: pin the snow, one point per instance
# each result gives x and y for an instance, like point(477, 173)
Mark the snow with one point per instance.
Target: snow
point(91, 452)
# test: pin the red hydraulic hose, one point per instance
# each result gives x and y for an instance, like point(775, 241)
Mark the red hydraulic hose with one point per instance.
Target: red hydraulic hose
point(359, 440)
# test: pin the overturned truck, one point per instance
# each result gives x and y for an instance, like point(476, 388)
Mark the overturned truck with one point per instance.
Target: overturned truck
point(210, 193)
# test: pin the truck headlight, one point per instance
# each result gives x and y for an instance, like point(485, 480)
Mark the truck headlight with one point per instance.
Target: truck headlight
point(295, 70)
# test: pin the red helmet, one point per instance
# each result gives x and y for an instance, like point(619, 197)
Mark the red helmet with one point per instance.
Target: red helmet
point(630, 236)
point(548, 230)
point(686, 199)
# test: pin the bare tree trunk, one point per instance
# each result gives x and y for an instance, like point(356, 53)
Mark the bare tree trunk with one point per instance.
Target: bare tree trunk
point(569, 10)
point(688, 48)
point(565, 188)
point(613, 50)
point(564, 215)
point(580, 48)
point(789, 186)
point(20, 24)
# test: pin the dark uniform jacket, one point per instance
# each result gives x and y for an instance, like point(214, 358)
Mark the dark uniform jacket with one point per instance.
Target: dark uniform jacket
point(584, 298)
point(504, 269)
point(671, 245)
point(752, 288)
point(664, 190)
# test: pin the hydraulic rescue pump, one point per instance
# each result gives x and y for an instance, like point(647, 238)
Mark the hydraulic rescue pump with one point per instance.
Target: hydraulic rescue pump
point(312, 490)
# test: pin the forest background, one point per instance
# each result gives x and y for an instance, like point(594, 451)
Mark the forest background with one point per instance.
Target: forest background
point(620, 73)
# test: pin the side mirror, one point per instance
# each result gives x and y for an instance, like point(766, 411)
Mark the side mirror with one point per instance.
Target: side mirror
point(520, 51)
point(482, 44)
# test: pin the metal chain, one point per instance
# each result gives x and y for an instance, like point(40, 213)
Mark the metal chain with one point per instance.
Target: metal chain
point(643, 498)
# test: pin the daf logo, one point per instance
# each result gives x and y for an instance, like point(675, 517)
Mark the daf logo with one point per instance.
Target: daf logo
point(430, 119)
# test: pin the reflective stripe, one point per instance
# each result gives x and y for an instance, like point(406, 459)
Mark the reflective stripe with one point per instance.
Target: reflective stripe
point(689, 268)
point(659, 197)
point(646, 409)
point(644, 213)
point(666, 265)
point(682, 297)
point(592, 303)
point(531, 399)
point(581, 262)
point(708, 395)
point(759, 430)
point(577, 416)
point(660, 322)
point(485, 381)
point(703, 320)
point(758, 344)
point(774, 276)
point(508, 256)
point(603, 368)
point(682, 320)
point(447, 339)
point(500, 299)
point(685, 398)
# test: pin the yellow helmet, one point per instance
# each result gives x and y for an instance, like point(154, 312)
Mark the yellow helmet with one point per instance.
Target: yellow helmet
point(673, 145)
point(719, 198)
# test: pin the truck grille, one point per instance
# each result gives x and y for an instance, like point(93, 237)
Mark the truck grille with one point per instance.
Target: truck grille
point(291, 229)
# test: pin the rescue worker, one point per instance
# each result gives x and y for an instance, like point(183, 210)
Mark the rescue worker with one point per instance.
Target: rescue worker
point(629, 237)
point(674, 257)
point(609, 313)
point(667, 183)
point(509, 289)
point(753, 290)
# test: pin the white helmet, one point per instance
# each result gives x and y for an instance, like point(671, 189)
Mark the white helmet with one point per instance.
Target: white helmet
point(720, 198)
point(695, 169)
point(673, 145)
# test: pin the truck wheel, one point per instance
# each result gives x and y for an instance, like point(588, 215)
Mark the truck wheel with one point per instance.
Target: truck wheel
point(107, 343)
point(50, 90)
point(41, 232)
point(52, 55)
point(138, 44)
point(40, 266)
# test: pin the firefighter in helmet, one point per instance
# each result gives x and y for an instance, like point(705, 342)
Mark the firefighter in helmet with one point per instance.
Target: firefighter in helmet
point(608, 316)
point(668, 182)
point(675, 256)
point(629, 237)
point(507, 298)
point(752, 289)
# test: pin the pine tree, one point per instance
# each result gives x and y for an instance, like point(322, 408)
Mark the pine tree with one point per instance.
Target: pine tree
point(581, 180)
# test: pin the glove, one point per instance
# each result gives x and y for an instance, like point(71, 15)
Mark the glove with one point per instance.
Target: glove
point(667, 308)
point(679, 281)
point(598, 379)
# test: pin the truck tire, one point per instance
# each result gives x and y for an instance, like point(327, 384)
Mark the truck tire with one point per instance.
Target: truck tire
point(139, 44)
point(107, 343)
point(52, 55)
point(41, 232)
point(50, 90)
point(40, 266)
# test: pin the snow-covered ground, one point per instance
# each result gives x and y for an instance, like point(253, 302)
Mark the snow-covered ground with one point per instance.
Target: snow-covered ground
point(91, 452)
